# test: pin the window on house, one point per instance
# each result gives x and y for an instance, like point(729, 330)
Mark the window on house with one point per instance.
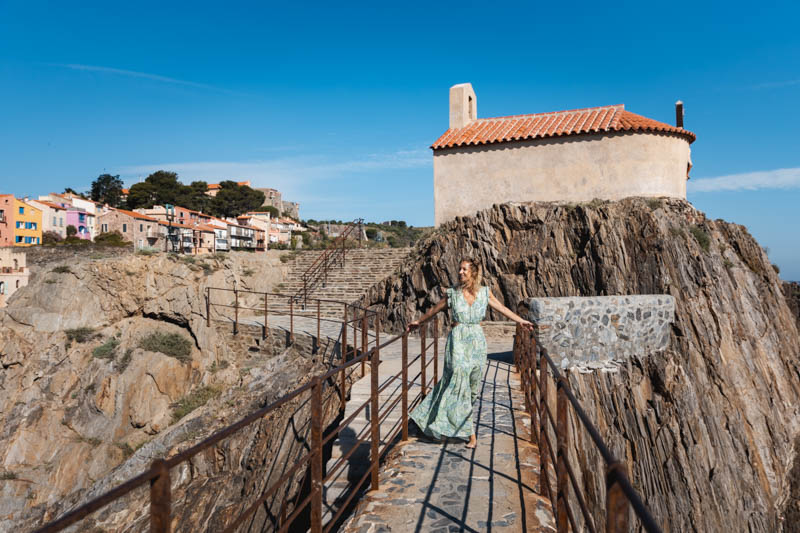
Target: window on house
point(141, 227)
point(55, 221)
point(21, 210)
point(16, 264)
point(18, 284)
point(61, 222)
point(124, 228)
point(18, 239)
point(34, 225)
point(104, 227)
point(37, 240)
point(2, 287)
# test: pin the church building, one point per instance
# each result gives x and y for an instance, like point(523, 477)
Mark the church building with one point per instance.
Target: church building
point(564, 156)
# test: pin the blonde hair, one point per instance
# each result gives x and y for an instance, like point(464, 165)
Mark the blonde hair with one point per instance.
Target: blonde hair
point(477, 274)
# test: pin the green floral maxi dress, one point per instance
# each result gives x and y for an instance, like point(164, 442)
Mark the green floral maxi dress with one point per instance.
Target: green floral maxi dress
point(447, 410)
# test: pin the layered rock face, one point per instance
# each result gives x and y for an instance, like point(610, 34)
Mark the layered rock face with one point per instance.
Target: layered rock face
point(706, 426)
point(86, 404)
point(791, 289)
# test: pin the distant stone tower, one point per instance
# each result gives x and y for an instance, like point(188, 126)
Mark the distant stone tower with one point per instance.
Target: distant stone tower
point(569, 156)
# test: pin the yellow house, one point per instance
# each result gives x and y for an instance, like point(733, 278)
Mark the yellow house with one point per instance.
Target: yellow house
point(27, 224)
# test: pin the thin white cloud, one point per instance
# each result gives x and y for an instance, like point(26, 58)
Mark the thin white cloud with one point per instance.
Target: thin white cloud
point(145, 75)
point(776, 84)
point(782, 178)
point(293, 176)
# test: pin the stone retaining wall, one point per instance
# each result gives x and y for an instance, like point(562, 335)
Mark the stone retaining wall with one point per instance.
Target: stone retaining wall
point(597, 332)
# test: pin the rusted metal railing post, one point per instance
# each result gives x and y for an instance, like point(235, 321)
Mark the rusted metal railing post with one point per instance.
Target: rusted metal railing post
point(355, 332)
point(344, 336)
point(404, 391)
point(544, 487)
point(316, 460)
point(319, 321)
point(617, 503)
point(160, 499)
point(291, 319)
point(423, 341)
point(374, 413)
point(562, 481)
point(435, 351)
point(266, 314)
point(305, 291)
point(208, 307)
point(236, 311)
point(364, 342)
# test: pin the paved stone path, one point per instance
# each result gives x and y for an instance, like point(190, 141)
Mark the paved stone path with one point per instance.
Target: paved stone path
point(428, 486)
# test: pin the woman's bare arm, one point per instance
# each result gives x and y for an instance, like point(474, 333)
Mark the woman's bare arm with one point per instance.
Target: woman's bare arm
point(427, 316)
point(495, 304)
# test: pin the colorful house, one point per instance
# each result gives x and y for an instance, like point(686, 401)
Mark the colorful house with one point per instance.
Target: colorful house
point(27, 224)
point(53, 216)
point(7, 220)
point(13, 273)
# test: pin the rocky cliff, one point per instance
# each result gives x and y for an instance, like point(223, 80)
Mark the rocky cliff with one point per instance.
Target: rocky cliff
point(90, 396)
point(707, 426)
point(791, 289)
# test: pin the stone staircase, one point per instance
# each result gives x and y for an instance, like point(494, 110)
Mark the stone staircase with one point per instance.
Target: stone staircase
point(362, 269)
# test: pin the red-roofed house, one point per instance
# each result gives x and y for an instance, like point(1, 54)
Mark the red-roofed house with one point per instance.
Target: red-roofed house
point(568, 156)
point(137, 228)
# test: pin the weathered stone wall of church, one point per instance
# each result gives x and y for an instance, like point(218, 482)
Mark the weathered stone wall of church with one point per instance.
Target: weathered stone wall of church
point(569, 169)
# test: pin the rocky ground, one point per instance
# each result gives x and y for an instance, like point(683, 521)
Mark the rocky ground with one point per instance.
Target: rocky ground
point(706, 427)
point(89, 397)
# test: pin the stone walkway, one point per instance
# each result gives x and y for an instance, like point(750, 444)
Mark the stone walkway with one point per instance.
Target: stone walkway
point(427, 486)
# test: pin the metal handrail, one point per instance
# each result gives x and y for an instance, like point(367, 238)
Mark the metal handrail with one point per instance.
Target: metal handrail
point(322, 264)
point(158, 475)
point(620, 494)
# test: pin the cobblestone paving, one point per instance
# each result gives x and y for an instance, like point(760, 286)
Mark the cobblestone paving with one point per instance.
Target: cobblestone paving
point(439, 487)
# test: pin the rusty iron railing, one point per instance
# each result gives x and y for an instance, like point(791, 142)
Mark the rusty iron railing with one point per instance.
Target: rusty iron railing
point(334, 255)
point(352, 356)
point(620, 495)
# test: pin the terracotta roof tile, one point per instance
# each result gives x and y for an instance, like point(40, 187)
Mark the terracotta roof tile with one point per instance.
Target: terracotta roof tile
point(557, 124)
point(133, 214)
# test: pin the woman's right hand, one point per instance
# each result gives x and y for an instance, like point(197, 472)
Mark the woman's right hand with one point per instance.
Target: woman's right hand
point(413, 325)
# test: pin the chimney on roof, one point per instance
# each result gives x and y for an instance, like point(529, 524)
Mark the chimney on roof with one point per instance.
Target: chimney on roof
point(679, 114)
point(463, 105)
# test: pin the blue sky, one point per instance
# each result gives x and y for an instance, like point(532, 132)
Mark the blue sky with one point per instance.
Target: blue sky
point(336, 104)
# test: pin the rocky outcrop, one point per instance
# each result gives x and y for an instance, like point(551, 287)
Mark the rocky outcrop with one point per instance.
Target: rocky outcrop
point(791, 289)
point(86, 404)
point(707, 427)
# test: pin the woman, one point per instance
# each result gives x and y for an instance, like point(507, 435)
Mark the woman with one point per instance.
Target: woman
point(447, 410)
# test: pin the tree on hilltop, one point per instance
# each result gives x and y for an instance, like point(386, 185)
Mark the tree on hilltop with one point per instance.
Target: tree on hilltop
point(159, 188)
point(107, 189)
point(234, 199)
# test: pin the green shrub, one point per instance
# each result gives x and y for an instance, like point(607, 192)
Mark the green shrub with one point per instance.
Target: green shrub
point(127, 451)
point(653, 203)
point(171, 344)
point(106, 350)
point(701, 236)
point(111, 238)
point(71, 231)
point(80, 334)
point(247, 272)
point(728, 263)
point(285, 258)
point(676, 232)
point(77, 241)
point(124, 361)
point(221, 366)
point(62, 269)
point(7, 475)
point(146, 252)
point(192, 401)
